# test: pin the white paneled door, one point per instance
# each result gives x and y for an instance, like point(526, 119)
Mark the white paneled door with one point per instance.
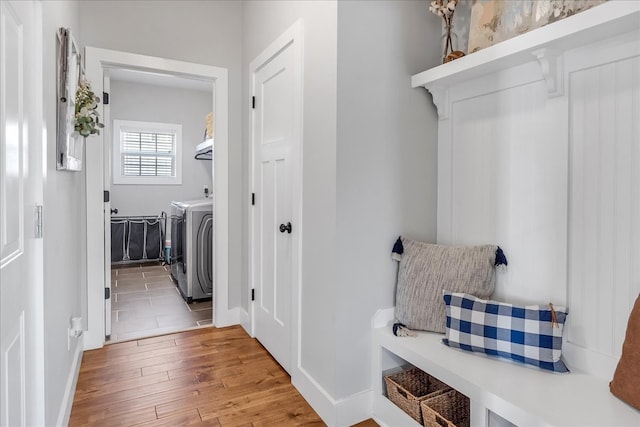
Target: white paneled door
point(21, 341)
point(275, 223)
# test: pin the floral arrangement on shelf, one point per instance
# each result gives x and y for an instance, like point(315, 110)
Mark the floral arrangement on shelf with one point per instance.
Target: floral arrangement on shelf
point(446, 9)
point(87, 120)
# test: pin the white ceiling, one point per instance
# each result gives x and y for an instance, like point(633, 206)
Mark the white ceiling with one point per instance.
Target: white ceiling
point(158, 79)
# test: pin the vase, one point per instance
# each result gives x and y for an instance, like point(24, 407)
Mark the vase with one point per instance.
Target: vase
point(449, 42)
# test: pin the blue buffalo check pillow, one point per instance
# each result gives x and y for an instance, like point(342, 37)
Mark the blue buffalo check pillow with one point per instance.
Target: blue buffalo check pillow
point(529, 334)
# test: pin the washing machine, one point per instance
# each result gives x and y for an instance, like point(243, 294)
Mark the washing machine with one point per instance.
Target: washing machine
point(192, 248)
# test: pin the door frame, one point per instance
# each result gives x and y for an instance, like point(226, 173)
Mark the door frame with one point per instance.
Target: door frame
point(96, 61)
point(292, 36)
point(106, 182)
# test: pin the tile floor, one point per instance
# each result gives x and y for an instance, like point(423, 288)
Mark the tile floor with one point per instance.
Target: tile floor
point(146, 302)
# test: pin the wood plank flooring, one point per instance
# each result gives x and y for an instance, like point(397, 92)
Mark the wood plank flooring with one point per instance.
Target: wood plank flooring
point(203, 377)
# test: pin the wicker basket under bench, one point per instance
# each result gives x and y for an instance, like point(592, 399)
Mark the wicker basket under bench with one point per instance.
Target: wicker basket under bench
point(448, 409)
point(426, 399)
point(411, 386)
point(495, 387)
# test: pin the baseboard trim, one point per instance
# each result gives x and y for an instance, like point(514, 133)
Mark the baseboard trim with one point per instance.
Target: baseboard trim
point(72, 381)
point(355, 408)
point(245, 321)
point(346, 411)
point(315, 395)
point(227, 317)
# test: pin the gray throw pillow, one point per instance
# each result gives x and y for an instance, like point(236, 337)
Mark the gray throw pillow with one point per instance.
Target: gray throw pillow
point(426, 270)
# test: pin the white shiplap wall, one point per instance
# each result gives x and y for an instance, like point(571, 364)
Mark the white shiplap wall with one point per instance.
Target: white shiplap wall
point(508, 168)
point(604, 216)
point(502, 173)
point(555, 180)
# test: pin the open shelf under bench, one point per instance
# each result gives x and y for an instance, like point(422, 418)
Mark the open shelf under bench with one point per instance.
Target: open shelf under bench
point(522, 395)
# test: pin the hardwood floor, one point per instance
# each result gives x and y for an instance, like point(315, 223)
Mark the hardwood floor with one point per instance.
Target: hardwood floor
point(205, 377)
point(209, 376)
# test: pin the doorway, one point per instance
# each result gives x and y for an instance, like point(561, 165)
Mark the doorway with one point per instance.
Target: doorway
point(99, 63)
point(154, 126)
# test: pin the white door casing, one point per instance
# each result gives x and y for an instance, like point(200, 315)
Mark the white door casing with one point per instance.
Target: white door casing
point(106, 134)
point(21, 191)
point(276, 141)
point(96, 61)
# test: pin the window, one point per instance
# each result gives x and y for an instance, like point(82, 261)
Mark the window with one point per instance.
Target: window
point(147, 153)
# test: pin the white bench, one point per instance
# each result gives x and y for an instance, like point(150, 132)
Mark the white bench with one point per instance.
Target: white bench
point(500, 391)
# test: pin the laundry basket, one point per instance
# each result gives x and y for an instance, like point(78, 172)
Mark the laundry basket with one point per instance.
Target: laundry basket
point(137, 238)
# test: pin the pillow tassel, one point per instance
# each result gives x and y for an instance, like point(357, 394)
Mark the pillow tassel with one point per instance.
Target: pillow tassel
point(501, 260)
point(398, 250)
point(401, 330)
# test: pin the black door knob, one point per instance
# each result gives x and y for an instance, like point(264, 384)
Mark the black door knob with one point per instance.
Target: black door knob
point(286, 228)
point(114, 211)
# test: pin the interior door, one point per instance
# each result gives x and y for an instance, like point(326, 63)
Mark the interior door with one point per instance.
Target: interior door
point(276, 141)
point(21, 289)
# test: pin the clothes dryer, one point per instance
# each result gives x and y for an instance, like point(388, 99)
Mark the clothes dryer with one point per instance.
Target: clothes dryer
point(192, 248)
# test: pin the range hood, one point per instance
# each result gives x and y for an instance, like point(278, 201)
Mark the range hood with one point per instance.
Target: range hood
point(204, 150)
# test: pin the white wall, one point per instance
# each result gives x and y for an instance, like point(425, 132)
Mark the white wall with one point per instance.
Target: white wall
point(603, 245)
point(208, 33)
point(385, 138)
point(386, 165)
point(264, 21)
point(64, 227)
point(369, 157)
point(151, 103)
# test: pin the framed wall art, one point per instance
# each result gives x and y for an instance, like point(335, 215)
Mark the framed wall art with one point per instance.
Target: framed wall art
point(69, 145)
point(493, 21)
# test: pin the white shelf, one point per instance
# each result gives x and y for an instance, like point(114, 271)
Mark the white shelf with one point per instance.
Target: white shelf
point(525, 396)
point(204, 150)
point(600, 22)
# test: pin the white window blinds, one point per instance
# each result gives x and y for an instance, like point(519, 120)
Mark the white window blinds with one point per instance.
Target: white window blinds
point(147, 154)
